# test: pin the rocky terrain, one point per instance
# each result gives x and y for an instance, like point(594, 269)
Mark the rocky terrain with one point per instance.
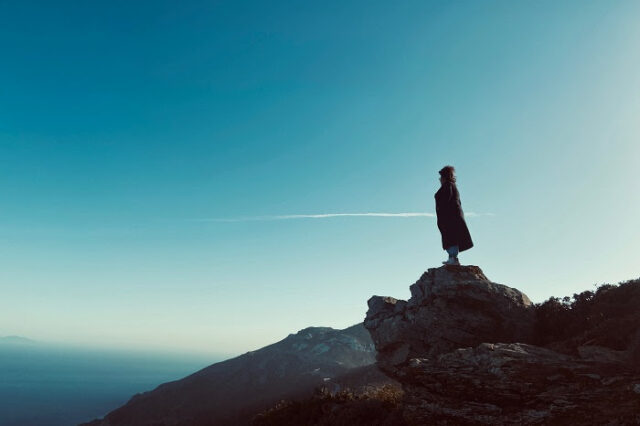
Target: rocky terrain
point(232, 392)
point(468, 351)
point(463, 350)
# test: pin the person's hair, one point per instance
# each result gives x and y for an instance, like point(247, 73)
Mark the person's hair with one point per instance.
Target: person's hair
point(448, 173)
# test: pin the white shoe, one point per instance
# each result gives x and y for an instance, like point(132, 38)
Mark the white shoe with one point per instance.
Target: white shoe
point(452, 261)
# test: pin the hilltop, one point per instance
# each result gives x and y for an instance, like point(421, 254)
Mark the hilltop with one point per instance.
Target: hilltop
point(469, 351)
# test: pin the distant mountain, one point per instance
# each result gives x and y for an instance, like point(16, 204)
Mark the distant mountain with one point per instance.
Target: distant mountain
point(233, 391)
point(15, 340)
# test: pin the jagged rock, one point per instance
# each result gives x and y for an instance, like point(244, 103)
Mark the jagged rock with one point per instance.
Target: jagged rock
point(602, 354)
point(450, 307)
point(460, 347)
point(518, 384)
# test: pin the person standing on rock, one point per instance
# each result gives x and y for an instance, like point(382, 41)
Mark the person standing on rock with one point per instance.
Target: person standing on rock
point(453, 228)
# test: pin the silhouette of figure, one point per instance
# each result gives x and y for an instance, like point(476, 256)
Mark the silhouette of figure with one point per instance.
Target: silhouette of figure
point(453, 228)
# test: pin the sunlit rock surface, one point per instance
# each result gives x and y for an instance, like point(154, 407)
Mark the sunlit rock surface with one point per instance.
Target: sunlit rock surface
point(462, 349)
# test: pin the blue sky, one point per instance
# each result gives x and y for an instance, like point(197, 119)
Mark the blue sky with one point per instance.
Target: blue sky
point(125, 127)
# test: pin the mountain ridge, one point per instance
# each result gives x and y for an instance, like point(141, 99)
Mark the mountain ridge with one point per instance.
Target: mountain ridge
point(233, 391)
point(16, 340)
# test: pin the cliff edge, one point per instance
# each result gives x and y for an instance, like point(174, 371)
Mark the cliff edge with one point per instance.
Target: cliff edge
point(463, 349)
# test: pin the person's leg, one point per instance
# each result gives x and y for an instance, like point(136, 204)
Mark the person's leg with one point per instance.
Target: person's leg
point(453, 255)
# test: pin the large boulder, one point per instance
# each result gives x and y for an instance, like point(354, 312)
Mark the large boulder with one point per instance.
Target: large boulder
point(450, 307)
point(461, 347)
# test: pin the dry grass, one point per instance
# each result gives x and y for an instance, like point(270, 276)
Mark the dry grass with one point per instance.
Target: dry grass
point(376, 407)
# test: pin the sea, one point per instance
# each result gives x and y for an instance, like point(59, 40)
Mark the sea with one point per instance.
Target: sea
point(57, 385)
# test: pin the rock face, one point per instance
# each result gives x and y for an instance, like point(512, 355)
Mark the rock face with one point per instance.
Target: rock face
point(450, 307)
point(518, 384)
point(461, 348)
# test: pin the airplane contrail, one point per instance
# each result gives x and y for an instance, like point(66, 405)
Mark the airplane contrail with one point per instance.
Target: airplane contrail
point(329, 215)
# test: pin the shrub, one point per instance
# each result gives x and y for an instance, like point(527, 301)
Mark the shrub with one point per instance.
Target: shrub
point(608, 317)
point(378, 407)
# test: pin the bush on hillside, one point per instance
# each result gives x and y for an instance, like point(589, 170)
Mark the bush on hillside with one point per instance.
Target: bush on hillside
point(609, 316)
point(379, 407)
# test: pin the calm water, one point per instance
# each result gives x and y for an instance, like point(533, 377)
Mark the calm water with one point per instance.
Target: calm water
point(44, 385)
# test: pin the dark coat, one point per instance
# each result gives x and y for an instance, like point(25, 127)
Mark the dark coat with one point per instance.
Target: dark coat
point(451, 218)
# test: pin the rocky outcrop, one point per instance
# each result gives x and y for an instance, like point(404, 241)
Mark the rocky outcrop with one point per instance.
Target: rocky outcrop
point(461, 348)
point(518, 384)
point(450, 307)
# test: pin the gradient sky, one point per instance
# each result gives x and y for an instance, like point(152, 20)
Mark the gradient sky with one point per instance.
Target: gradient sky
point(129, 129)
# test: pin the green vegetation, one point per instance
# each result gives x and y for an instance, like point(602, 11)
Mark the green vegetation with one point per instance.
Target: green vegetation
point(606, 317)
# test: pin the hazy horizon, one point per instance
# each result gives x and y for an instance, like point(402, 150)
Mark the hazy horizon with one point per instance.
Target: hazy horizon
point(136, 350)
point(58, 385)
point(213, 176)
